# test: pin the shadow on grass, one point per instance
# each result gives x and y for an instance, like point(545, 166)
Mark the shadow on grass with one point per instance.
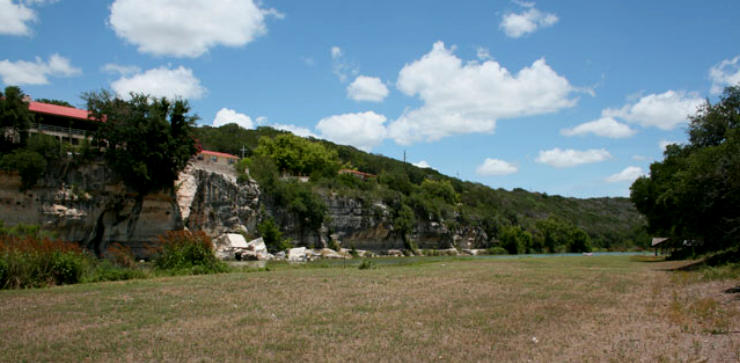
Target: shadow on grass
point(647, 258)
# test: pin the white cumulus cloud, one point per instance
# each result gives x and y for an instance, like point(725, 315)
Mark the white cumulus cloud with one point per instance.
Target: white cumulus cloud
point(467, 98)
point(14, 18)
point(367, 89)
point(528, 21)
point(363, 130)
point(726, 73)
point(569, 158)
point(605, 126)
point(629, 174)
point(665, 111)
point(492, 167)
point(161, 82)
point(422, 164)
point(227, 116)
point(187, 28)
point(36, 72)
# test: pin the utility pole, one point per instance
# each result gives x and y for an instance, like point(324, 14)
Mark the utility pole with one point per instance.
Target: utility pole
point(243, 151)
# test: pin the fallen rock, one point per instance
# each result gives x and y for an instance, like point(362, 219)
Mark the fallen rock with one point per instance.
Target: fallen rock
point(329, 253)
point(396, 253)
point(297, 254)
point(228, 244)
point(259, 248)
point(473, 251)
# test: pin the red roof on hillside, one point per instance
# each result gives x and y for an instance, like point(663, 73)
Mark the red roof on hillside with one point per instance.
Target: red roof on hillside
point(216, 153)
point(355, 172)
point(57, 110)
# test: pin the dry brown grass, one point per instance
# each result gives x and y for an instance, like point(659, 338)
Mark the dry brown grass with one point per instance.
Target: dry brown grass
point(579, 308)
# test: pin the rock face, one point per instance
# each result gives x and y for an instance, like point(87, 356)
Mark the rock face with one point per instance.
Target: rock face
point(214, 202)
point(88, 204)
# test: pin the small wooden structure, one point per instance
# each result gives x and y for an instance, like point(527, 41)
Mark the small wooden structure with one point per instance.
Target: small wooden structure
point(660, 242)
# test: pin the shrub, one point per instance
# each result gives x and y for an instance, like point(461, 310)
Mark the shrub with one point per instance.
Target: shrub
point(33, 262)
point(366, 265)
point(185, 250)
point(272, 236)
point(120, 255)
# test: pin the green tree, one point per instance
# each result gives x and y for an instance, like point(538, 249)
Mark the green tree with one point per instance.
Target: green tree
point(147, 140)
point(297, 155)
point(15, 118)
point(514, 239)
point(441, 189)
point(403, 224)
point(29, 164)
point(54, 102)
point(694, 193)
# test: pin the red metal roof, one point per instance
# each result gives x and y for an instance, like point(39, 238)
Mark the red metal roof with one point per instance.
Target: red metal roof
point(216, 153)
point(355, 172)
point(57, 110)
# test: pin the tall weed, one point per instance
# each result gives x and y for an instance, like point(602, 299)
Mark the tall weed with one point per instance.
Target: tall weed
point(32, 262)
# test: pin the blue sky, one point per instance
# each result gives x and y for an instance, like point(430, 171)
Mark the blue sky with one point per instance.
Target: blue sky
point(565, 97)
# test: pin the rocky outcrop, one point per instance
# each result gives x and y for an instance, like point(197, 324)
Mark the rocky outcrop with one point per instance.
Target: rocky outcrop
point(88, 204)
point(214, 202)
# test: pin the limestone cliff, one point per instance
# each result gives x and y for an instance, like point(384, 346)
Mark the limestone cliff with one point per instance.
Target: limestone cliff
point(88, 204)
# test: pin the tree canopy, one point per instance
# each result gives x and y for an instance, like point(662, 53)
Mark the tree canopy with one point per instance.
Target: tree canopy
point(297, 155)
point(54, 102)
point(15, 118)
point(147, 140)
point(694, 193)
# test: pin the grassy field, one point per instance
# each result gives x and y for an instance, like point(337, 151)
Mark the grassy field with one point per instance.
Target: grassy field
point(561, 308)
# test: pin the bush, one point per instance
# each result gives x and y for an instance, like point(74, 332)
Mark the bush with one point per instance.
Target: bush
point(366, 265)
point(33, 262)
point(272, 236)
point(120, 255)
point(185, 250)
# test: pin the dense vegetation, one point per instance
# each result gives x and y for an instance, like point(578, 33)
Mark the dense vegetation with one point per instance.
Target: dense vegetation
point(147, 140)
point(31, 257)
point(29, 155)
point(517, 221)
point(693, 195)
